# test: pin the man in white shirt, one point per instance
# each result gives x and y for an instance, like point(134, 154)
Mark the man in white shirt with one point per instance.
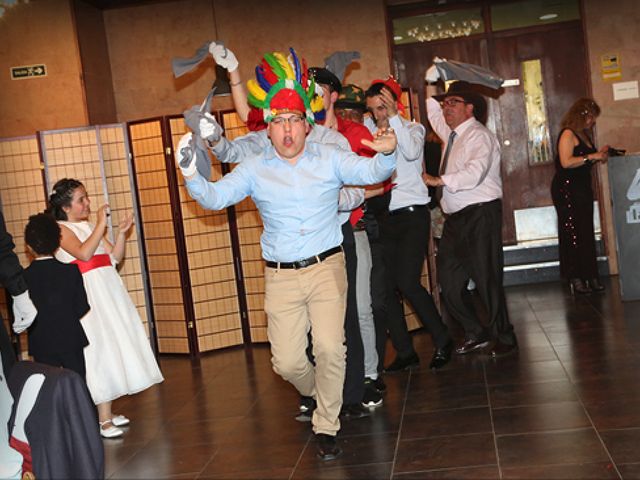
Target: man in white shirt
point(471, 244)
point(404, 233)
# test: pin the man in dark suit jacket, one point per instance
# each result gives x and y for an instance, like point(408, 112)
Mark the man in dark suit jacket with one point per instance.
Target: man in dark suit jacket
point(11, 277)
point(56, 337)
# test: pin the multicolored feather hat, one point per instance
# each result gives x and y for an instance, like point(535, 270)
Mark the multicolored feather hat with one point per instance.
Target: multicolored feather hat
point(280, 87)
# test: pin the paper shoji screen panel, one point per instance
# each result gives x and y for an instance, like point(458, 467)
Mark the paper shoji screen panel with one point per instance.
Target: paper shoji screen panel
point(97, 156)
point(115, 153)
point(21, 195)
point(249, 231)
point(159, 236)
point(210, 257)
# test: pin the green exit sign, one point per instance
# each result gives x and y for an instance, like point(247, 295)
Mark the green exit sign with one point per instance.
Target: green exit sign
point(28, 71)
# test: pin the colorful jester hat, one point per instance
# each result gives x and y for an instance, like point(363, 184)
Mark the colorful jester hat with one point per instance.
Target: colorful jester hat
point(280, 87)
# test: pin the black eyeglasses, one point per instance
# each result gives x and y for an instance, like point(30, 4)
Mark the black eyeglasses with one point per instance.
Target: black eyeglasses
point(451, 102)
point(281, 121)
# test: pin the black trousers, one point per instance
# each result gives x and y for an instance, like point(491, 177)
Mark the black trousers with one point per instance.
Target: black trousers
point(378, 289)
point(471, 247)
point(73, 360)
point(405, 238)
point(353, 390)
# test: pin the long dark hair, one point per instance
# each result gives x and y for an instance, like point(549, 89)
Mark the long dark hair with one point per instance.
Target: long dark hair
point(61, 196)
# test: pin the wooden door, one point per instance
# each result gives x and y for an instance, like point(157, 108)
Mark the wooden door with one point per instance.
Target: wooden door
point(564, 79)
point(560, 49)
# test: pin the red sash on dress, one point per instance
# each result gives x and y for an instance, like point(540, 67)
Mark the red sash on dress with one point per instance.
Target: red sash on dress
point(97, 261)
point(23, 449)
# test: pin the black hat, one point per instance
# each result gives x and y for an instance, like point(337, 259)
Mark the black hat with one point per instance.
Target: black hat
point(465, 90)
point(325, 77)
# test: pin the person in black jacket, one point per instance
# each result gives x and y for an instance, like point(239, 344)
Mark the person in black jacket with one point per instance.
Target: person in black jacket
point(56, 336)
point(11, 277)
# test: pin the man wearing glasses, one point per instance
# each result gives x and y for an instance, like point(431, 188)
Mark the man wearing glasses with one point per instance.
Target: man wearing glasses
point(471, 191)
point(295, 185)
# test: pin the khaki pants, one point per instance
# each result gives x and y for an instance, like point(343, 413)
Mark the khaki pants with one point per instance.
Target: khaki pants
point(295, 302)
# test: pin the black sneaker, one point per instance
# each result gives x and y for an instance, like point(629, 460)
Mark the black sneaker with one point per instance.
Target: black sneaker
point(307, 403)
point(378, 384)
point(309, 406)
point(372, 397)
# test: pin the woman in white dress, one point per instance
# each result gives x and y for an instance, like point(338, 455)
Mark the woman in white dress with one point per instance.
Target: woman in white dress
point(119, 358)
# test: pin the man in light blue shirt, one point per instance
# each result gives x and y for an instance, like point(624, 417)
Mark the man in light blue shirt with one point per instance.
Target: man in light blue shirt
point(295, 186)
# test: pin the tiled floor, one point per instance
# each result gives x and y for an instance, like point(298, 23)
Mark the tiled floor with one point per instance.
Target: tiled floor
point(566, 407)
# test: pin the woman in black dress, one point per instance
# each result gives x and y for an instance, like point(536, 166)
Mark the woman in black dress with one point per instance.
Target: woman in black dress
point(573, 196)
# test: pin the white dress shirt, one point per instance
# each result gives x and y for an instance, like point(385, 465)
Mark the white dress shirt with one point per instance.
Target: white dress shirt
point(473, 167)
point(410, 188)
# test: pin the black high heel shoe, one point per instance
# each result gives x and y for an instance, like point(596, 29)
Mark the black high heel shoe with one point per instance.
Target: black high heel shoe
point(595, 285)
point(576, 285)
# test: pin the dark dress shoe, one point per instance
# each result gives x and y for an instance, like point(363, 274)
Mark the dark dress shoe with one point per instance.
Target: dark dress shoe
point(327, 447)
point(503, 349)
point(577, 286)
point(471, 345)
point(354, 411)
point(441, 356)
point(403, 363)
point(595, 285)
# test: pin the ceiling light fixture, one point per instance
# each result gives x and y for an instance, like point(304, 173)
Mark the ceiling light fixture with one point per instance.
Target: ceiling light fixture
point(548, 16)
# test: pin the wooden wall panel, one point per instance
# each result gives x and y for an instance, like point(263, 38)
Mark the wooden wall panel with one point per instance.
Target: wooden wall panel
point(21, 195)
point(159, 236)
point(210, 257)
point(97, 156)
point(249, 231)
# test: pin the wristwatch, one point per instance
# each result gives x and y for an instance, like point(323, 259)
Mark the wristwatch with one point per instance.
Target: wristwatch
point(587, 161)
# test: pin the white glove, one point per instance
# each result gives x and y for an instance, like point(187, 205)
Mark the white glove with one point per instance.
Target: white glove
point(24, 312)
point(210, 129)
point(185, 155)
point(432, 75)
point(223, 56)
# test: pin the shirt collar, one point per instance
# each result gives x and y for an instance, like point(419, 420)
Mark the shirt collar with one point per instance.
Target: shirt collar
point(460, 129)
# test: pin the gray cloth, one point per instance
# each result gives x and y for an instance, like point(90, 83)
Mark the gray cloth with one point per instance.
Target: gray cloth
point(203, 162)
point(192, 118)
point(338, 62)
point(181, 66)
point(453, 70)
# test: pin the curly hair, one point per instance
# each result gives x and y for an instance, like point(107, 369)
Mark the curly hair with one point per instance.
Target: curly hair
point(61, 196)
point(576, 117)
point(42, 234)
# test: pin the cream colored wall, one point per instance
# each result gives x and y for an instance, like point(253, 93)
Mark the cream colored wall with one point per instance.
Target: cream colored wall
point(40, 32)
point(143, 40)
point(613, 30)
